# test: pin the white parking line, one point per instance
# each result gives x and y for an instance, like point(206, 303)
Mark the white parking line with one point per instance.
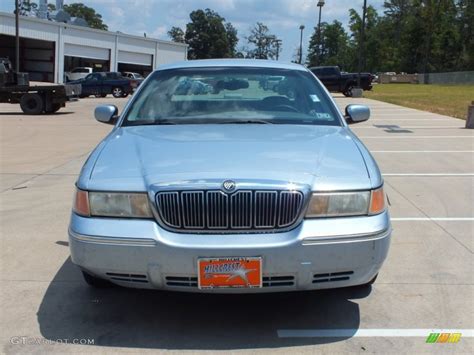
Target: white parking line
point(414, 137)
point(346, 333)
point(440, 219)
point(404, 127)
point(411, 119)
point(422, 151)
point(429, 174)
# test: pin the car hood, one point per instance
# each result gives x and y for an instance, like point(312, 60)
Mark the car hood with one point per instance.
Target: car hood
point(134, 158)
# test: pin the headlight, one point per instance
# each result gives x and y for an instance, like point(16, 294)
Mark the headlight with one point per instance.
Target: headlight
point(338, 204)
point(112, 204)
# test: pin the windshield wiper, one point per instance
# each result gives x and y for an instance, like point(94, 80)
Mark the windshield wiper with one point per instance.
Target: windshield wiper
point(246, 122)
point(151, 123)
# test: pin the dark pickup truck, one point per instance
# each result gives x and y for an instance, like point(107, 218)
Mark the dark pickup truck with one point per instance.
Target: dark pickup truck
point(103, 83)
point(336, 81)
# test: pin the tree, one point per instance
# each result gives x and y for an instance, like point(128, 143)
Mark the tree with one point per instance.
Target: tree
point(207, 36)
point(27, 8)
point(264, 43)
point(176, 34)
point(371, 50)
point(465, 25)
point(93, 19)
point(335, 50)
point(232, 38)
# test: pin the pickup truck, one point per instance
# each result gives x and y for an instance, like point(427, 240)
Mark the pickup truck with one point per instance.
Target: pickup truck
point(103, 83)
point(78, 73)
point(336, 81)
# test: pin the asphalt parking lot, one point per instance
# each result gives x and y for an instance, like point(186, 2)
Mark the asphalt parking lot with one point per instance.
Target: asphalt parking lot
point(427, 282)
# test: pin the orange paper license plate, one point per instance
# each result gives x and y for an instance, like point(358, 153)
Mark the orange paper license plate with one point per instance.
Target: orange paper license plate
point(230, 272)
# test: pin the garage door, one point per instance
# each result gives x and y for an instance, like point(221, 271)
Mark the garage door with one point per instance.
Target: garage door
point(135, 58)
point(75, 50)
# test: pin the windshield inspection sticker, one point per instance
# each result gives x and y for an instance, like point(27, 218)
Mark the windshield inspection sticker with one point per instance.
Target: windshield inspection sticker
point(314, 97)
point(321, 115)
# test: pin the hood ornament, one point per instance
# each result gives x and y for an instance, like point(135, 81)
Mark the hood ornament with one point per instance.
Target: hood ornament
point(228, 185)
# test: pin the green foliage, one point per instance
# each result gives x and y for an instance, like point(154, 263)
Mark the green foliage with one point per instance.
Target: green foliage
point(208, 36)
point(334, 48)
point(93, 19)
point(264, 43)
point(411, 36)
point(232, 39)
point(176, 34)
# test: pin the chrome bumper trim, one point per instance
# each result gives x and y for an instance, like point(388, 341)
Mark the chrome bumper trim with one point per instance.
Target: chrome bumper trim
point(347, 238)
point(113, 240)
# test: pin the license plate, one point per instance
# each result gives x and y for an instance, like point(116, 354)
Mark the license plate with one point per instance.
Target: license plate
point(232, 272)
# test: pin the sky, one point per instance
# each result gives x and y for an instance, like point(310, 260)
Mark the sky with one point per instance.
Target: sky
point(283, 17)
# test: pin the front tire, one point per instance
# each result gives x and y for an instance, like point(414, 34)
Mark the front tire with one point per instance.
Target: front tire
point(95, 282)
point(32, 104)
point(117, 92)
point(348, 90)
point(54, 108)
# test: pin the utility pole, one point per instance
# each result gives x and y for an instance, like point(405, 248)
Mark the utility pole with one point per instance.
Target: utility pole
point(301, 43)
point(17, 36)
point(361, 42)
point(320, 5)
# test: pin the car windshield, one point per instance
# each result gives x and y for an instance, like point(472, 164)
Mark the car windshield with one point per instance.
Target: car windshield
point(232, 95)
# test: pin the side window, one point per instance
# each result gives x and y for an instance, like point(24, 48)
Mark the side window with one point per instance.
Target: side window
point(92, 77)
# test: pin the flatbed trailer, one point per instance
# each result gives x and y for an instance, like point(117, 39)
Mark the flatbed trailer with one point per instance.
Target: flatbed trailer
point(38, 99)
point(33, 99)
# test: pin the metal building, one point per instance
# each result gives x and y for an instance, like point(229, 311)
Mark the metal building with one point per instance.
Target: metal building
point(48, 49)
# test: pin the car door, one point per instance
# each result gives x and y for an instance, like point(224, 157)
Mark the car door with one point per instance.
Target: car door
point(91, 84)
point(332, 78)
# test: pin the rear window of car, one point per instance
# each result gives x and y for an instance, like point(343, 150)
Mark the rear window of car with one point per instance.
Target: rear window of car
point(223, 94)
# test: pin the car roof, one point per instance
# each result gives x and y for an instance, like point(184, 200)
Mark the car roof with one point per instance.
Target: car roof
point(253, 63)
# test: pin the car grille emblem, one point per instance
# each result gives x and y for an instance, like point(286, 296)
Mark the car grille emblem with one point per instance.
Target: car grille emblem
point(228, 185)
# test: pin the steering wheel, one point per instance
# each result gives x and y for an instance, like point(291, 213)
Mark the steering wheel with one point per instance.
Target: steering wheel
point(286, 108)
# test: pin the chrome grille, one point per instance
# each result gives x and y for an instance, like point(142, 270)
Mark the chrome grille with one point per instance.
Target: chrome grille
point(215, 210)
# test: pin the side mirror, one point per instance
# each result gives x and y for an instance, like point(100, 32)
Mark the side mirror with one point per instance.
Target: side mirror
point(106, 114)
point(357, 113)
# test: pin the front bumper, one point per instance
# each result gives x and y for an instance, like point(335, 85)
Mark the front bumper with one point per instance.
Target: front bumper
point(318, 254)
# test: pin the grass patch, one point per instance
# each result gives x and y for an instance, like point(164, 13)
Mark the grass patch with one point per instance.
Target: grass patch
point(449, 100)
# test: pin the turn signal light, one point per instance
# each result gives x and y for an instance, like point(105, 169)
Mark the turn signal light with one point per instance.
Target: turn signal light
point(377, 201)
point(81, 203)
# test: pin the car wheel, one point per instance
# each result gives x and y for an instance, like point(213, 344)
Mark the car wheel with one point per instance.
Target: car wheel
point(32, 104)
point(125, 94)
point(54, 108)
point(117, 92)
point(95, 281)
point(348, 91)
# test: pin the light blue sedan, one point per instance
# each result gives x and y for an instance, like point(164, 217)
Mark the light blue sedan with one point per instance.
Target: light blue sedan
point(218, 178)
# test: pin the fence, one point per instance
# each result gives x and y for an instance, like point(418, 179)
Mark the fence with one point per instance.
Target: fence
point(398, 78)
point(458, 77)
